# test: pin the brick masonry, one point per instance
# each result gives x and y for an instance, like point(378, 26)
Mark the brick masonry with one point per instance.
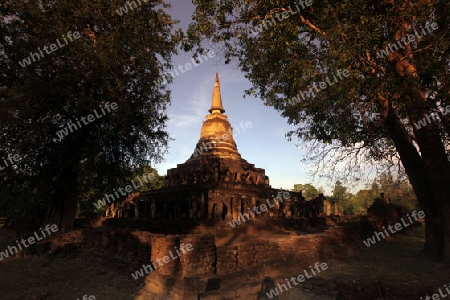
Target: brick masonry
point(193, 274)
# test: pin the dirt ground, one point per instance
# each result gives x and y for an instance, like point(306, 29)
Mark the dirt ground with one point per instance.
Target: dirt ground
point(395, 264)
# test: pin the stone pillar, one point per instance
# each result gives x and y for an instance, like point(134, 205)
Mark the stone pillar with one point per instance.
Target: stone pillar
point(222, 208)
point(336, 209)
point(227, 201)
point(136, 211)
point(236, 207)
point(327, 208)
point(164, 249)
point(202, 206)
point(210, 210)
point(253, 202)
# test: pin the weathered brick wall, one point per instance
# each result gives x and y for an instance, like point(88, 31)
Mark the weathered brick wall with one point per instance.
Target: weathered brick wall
point(227, 259)
point(188, 276)
point(201, 261)
point(255, 252)
point(138, 247)
point(332, 242)
point(174, 288)
point(124, 246)
point(144, 248)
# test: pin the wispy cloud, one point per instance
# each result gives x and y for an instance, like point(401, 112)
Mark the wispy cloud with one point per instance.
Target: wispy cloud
point(191, 115)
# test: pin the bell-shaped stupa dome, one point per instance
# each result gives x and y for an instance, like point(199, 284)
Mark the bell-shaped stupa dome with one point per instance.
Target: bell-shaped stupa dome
point(216, 137)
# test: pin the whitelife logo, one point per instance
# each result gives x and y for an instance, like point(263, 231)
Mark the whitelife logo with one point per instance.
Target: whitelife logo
point(398, 227)
point(85, 297)
point(166, 259)
point(12, 159)
point(438, 296)
point(129, 188)
point(435, 116)
point(187, 66)
point(281, 16)
point(274, 293)
point(323, 85)
point(53, 47)
point(31, 240)
point(124, 9)
point(71, 126)
point(391, 48)
point(262, 207)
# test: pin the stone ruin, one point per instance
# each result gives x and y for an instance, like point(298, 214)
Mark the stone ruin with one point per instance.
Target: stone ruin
point(215, 183)
point(196, 204)
point(382, 213)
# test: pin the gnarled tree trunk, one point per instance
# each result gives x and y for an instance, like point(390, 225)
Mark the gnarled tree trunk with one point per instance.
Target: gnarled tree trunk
point(64, 202)
point(427, 173)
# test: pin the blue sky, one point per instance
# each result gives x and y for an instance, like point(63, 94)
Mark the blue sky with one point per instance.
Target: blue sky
point(264, 145)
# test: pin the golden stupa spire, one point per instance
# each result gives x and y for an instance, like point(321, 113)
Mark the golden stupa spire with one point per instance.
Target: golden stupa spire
point(216, 103)
point(216, 131)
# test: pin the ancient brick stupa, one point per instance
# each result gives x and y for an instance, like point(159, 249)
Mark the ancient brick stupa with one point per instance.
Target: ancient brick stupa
point(215, 182)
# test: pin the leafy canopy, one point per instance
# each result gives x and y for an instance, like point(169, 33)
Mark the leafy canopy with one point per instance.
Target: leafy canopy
point(285, 56)
point(117, 59)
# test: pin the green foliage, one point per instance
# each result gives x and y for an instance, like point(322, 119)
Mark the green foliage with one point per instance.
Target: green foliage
point(370, 116)
point(308, 190)
point(399, 192)
point(339, 191)
point(118, 59)
point(302, 50)
point(364, 198)
point(153, 184)
point(342, 197)
point(140, 175)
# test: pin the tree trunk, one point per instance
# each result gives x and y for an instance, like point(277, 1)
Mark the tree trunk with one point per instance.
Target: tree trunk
point(428, 170)
point(430, 196)
point(64, 203)
point(434, 157)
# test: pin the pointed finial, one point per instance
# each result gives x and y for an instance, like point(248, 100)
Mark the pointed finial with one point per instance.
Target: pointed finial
point(216, 103)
